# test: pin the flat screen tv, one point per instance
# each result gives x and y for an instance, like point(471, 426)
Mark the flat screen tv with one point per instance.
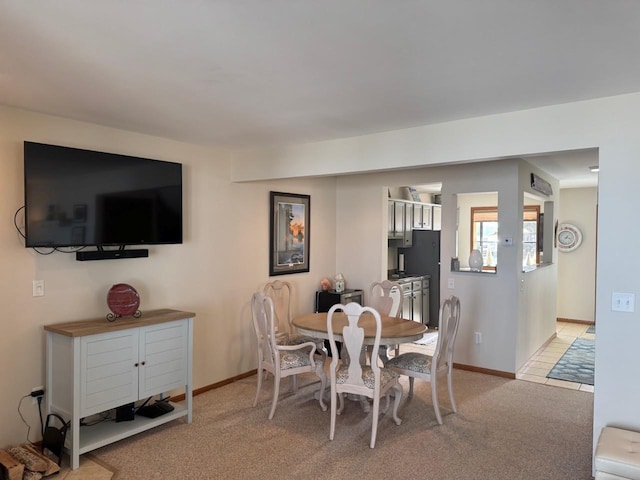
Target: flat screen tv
point(79, 198)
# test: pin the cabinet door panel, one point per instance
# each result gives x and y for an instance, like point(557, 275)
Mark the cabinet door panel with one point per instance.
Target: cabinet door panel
point(163, 354)
point(106, 382)
point(105, 400)
point(398, 218)
point(103, 371)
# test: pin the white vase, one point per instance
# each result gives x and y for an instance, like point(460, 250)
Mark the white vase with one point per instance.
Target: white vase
point(475, 260)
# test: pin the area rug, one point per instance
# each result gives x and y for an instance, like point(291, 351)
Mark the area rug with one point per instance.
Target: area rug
point(577, 364)
point(591, 329)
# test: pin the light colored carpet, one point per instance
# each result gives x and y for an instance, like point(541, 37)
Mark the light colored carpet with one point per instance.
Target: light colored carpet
point(504, 429)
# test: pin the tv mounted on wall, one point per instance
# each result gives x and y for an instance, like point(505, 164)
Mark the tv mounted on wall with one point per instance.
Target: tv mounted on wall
point(84, 198)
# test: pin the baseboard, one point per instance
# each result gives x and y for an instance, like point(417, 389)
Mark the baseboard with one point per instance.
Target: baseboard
point(574, 320)
point(488, 371)
point(213, 386)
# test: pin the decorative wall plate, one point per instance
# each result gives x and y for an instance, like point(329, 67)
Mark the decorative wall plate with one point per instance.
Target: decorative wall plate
point(123, 300)
point(569, 237)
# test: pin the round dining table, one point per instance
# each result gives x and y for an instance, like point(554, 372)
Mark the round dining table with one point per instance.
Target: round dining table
point(394, 330)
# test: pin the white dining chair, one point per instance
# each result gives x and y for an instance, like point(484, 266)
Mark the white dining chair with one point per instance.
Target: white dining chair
point(356, 376)
point(386, 297)
point(281, 360)
point(280, 293)
point(429, 368)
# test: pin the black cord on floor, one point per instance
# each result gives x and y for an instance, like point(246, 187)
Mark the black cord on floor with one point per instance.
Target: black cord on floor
point(22, 417)
point(40, 413)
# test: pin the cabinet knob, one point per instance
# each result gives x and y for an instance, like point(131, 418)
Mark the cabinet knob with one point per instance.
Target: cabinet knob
point(135, 364)
point(143, 363)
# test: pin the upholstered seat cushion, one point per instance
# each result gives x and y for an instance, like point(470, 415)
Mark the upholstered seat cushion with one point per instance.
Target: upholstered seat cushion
point(413, 361)
point(294, 359)
point(618, 454)
point(367, 376)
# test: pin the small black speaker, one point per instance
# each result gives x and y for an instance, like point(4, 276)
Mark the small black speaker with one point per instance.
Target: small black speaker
point(125, 413)
point(83, 256)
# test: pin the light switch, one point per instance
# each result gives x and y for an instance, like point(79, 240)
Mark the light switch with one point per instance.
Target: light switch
point(38, 288)
point(623, 302)
point(451, 283)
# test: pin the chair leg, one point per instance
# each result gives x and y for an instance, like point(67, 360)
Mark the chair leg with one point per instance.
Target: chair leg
point(255, 401)
point(374, 421)
point(450, 386)
point(323, 384)
point(276, 393)
point(434, 398)
point(410, 387)
point(294, 384)
point(341, 398)
point(332, 427)
point(396, 403)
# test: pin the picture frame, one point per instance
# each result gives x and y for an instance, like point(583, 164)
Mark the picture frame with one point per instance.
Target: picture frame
point(289, 231)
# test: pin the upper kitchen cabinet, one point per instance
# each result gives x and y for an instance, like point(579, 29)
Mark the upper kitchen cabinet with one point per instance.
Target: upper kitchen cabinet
point(436, 218)
point(400, 221)
point(406, 216)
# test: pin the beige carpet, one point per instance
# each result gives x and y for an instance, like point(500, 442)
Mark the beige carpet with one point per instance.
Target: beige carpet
point(504, 429)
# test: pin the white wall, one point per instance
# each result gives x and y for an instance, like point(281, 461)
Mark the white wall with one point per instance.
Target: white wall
point(223, 260)
point(610, 124)
point(577, 269)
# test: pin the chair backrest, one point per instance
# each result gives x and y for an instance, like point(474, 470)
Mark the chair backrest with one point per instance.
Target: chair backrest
point(262, 313)
point(353, 341)
point(386, 298)
point(449, 321)
point(280, 294)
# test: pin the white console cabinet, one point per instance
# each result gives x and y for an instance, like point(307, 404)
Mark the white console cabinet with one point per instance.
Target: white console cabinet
point(95, 365)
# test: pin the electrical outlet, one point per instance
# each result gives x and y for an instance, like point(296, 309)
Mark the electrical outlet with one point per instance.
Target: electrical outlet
point(38, 288)
point(34, 400)
point(451, 283)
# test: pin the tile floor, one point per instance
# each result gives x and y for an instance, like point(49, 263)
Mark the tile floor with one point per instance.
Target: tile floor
point(541, 363)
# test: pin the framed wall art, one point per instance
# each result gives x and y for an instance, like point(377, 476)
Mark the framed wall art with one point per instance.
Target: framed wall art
point(289, 233)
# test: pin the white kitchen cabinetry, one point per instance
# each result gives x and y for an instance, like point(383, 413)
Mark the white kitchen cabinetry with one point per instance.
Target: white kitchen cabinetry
point(95, 365)
point(401, 221)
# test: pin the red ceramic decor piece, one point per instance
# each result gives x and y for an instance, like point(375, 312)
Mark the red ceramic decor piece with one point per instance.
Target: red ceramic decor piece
point(123, 300)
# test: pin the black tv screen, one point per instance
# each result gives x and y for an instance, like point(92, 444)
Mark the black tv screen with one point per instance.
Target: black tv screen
point(76, 197)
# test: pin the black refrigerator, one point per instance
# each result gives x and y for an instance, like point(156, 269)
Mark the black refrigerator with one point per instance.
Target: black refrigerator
point(423, 258)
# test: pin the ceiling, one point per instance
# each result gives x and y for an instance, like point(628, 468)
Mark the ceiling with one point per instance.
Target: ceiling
point(247, 73)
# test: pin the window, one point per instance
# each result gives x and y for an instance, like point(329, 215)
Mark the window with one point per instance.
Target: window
point(484, 234)
point(530, 227)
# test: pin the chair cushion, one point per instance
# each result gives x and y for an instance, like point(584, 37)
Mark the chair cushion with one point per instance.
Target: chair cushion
point(367, 376)
point(294, 359)
point(618, 453)
point(412, 361)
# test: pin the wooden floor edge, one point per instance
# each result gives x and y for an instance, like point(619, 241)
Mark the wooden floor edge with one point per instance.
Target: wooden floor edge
point(213, 386)
point(488, 371)
point(574, 320)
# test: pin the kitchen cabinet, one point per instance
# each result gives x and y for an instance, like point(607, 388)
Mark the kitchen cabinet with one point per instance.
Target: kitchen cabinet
point(415, 301)
point(400, 221)
point(437, 217)
point(94, 366)
point(422, 216)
